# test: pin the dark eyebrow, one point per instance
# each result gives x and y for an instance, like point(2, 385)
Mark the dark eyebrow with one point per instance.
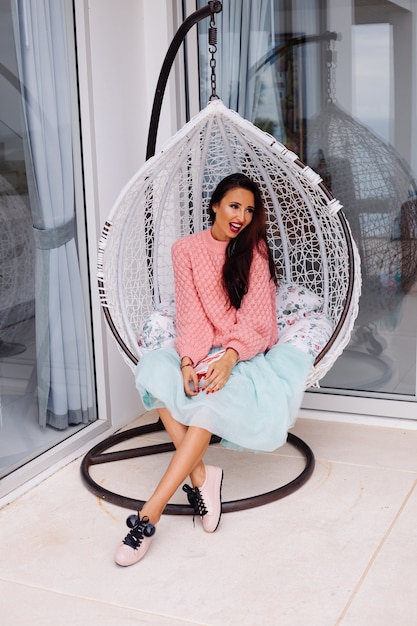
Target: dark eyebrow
point(240, 204)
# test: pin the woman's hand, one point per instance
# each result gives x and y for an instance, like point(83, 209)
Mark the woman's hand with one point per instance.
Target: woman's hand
point(190, 380)
point(218, 372)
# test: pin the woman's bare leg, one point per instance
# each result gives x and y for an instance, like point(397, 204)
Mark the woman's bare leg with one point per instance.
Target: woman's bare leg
point(177, 432)
point(187, 456)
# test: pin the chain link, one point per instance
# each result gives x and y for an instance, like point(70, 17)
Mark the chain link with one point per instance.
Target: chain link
point(331, 62)
point(212, 37)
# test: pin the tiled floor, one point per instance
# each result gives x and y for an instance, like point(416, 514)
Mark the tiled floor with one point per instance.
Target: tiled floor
point(342, 550)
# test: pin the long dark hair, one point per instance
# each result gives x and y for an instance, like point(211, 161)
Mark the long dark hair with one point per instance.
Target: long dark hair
point(239, 251)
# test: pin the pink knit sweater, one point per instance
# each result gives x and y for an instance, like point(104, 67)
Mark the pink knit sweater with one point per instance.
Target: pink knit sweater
point(204, 316)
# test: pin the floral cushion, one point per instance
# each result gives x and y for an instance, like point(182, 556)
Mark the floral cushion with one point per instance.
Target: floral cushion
point(159, 330)
point(294, 302)
point(309, 334)
point(301, 321)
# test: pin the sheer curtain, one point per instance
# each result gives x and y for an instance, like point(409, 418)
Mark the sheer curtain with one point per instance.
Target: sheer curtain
point(64, 370)
point(245, 35)
point(308, 19)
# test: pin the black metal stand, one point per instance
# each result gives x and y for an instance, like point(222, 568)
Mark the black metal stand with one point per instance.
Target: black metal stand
point(98, 455)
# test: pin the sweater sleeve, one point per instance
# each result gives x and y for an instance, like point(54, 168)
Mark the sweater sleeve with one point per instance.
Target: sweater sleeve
point(194, 330)
point(256, 328)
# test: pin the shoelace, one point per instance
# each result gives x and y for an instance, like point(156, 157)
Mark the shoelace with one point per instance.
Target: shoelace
point(196, 500)
point(140, 528)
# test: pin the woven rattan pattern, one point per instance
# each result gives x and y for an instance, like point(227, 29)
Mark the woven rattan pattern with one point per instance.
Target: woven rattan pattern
point(168, 199)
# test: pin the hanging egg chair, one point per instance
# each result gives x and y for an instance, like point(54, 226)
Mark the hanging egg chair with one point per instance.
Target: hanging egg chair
point(168, 198)
point(379, 193)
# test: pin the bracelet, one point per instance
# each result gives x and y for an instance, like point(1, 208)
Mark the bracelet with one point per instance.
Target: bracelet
point(186, 365)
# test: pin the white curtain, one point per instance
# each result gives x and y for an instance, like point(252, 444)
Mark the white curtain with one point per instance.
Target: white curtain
point(65, 388)
point(307, 21)
point(245, 35)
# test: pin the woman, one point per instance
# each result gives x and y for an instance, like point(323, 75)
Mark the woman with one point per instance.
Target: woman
point(226, 375)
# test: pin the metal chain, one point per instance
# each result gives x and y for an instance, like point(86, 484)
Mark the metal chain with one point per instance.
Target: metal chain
point(212, 38)
point(331, 62)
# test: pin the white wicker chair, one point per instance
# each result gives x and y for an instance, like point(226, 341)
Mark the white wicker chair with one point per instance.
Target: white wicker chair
point(168, 199)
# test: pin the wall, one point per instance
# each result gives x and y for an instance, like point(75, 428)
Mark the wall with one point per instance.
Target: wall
point(121, 46)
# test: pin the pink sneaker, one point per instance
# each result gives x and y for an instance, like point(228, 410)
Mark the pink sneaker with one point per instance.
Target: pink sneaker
point(136, 543)
point(206, 500)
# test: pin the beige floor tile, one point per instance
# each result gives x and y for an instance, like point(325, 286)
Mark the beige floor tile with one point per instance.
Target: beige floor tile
point(294, 562)
point(387, 592)
point(360, 444)
point(22, 605)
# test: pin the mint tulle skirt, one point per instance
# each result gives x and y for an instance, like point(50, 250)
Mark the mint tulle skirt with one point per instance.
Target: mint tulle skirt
point(255, 408)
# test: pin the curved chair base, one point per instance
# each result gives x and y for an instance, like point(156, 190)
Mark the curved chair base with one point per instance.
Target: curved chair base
point(99, 455)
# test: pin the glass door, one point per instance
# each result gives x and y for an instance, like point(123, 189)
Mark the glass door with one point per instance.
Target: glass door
point(370, 169)
point(336, 82)
point(46, 374)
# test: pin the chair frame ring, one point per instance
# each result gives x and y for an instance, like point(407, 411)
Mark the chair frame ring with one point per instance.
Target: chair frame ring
point(98, 455)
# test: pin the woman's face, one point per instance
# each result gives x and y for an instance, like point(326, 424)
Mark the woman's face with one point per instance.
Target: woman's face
point(233, 213)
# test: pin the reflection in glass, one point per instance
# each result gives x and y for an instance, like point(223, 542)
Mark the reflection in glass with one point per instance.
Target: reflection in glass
point(379, 196)
point(362, 150)
point(46, 376)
